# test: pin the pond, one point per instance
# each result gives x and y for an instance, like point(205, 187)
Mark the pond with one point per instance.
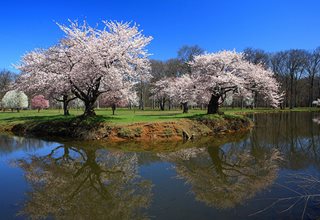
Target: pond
point(272, 172)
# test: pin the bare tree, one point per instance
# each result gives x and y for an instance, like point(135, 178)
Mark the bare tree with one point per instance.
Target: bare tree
point(290, 64)
point(256, 56)
point(186, 54)
point(312, 66)
point(6, 78)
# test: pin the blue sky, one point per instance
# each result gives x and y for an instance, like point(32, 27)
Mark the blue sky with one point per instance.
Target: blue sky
point(214, 25)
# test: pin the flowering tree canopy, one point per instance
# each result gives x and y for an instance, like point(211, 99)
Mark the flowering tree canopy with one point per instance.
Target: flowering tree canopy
point(121, 98)
point(160, 91)
point(39, 102)
point(15, 100)
point(89, 61)
point(216, 74)
point(316, 102)
point(177, 89)
point(182, 91)
point(38, 76)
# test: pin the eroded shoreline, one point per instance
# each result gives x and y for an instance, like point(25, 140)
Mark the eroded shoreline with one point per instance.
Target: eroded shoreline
point(183, 129)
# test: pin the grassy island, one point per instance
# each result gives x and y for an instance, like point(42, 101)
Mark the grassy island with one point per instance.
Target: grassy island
point(130, 124)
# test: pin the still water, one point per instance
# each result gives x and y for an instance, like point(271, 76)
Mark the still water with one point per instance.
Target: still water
point(271, 172)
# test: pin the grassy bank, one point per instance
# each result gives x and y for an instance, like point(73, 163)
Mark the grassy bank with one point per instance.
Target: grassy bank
point(126, 116)
point(129, 124)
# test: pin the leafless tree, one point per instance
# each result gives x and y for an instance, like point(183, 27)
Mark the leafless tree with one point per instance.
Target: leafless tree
point(312, 66)
point(257, 56)
point(6, 78)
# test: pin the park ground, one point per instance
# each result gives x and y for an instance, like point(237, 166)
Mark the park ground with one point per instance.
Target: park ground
point(129, 116)
point(130, 123)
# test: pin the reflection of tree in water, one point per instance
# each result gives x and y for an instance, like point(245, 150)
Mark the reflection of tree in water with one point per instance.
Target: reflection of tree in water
point(293, 134)
point(316, 120)
point(72, 183)
point(225, 177)
point(304, 198)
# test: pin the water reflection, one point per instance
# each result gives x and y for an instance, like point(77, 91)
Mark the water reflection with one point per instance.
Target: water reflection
point(85, 183)
point(225, 177)
point(316, 120)
point(9, 144)
point(293, 134)
point(131, 180)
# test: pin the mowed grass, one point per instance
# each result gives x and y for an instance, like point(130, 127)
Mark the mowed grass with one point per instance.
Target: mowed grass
point(125, 116)
point(122, 116)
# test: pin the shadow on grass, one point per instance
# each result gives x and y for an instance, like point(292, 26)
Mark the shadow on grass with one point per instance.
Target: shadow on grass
point(60, 118)
point(179, 116)
point(160, 115)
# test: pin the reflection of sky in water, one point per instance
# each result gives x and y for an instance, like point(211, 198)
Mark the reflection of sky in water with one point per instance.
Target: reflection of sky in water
point(297, 138)
point(12, 184)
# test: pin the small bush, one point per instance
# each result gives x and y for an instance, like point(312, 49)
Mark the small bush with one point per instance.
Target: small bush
point(137, 132)
point(167, 132)
point(125, 133)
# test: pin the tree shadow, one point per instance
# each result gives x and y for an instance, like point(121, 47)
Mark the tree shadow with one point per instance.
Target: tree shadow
point(56, 118)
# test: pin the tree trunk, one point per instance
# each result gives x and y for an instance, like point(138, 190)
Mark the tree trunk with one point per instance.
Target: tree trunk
point(213, 107)
point(295, 93)
point(241, 103)
point(113, 106)
point(89, 96)
point(311, 91)
point(214, 153)
point(291, 91)
point(255, 100)
point(141, 96)
point(162, 102)
point(141, 102)
point(65, 105)
point(89, 108)
point(185, 107)
point(39, 110)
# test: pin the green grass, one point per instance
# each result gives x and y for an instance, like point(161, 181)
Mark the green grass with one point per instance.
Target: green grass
point(126, 116)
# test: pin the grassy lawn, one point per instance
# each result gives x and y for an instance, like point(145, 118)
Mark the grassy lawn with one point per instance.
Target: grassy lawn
point(125, 116)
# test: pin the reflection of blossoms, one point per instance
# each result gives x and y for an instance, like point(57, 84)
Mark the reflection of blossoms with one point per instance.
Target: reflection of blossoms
point(316, 120)
point(184, 154)
point(224, 179)
point(72, 183)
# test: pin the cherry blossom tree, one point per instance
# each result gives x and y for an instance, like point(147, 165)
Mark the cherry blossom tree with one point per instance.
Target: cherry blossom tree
point(39, 102)
point(160, 91)
point(121, 98)
point(228, 71)
point(316, 102)
point(77, 104)
point(91, 61)
point(183, 91)
point(178, 89)
point(38, 76)
point(15, 100)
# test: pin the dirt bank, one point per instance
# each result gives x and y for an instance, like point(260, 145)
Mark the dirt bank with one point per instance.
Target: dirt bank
point(183, 129)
